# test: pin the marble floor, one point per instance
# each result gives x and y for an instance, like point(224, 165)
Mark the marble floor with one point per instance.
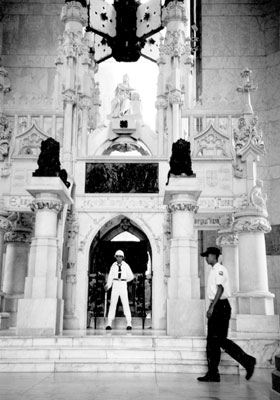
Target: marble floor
point(131, 386)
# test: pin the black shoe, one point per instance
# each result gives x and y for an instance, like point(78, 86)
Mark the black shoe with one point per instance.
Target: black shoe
point(250, 369)
point(128, 328)
point(108, 328)
point(209, 378)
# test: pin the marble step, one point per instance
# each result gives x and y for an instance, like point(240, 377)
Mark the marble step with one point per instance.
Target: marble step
point(107, 353)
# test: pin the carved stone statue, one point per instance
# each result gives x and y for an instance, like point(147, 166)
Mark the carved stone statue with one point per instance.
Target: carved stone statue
point(48, 161)
point(180, 160)
point(121, 104)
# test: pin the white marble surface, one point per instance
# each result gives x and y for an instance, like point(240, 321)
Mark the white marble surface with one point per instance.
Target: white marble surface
point(127, 386)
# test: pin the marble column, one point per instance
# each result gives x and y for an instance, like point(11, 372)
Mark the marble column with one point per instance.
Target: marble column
point(15, 271)
point(5, 225)
point(228, 242)
point(41, 310)
point(185, 310)
point(255, 304)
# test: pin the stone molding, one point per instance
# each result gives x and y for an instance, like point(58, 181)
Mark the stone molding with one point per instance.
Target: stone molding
point(251, 224)
point(182, 206)
point(52, 205)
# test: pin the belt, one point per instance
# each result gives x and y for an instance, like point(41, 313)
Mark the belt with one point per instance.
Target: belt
point(116, 279)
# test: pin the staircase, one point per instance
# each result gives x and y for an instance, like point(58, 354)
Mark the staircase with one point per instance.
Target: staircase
point(108, 352)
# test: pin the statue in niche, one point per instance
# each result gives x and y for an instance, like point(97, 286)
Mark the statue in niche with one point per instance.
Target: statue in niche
point(48, 161)
point(180, 160)
point(258, 200)
point(121, 104)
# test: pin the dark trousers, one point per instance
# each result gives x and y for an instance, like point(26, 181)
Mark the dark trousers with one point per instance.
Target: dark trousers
point(217, 339)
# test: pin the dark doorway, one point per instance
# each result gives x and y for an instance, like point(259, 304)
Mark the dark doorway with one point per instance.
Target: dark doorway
point(138, 256)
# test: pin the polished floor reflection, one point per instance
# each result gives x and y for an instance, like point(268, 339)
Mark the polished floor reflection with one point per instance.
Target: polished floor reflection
point(131, 386)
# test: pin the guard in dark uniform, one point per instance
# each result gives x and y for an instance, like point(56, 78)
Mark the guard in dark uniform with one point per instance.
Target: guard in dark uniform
point(218, 314)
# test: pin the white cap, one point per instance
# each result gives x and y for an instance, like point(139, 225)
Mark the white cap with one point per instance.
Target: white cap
point(119, 253)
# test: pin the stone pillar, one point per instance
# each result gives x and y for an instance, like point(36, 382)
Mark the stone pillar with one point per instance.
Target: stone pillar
point(255, 306)
point(5, 225)
point(228, 242)
point(41, 310)
point(15, 272)
point(185, 310)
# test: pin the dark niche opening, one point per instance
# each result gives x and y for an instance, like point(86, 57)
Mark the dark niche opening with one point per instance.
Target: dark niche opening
point(121, 178)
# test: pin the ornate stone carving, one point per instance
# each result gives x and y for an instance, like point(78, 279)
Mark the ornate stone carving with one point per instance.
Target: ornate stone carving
point(5, 137)
point(227, 239)
point(182, 206)
point(161, 103)
point(5, 224)
point(212, 143)
point(17, 237)
point(72, 232)
point(252, 224)
point(51, 205)
point(28, 143)
point(257, 199)
point(74, 11)
point(247, 139)
point(5, 84)
point(226, 221)
point(175, 97)
point(174, 10)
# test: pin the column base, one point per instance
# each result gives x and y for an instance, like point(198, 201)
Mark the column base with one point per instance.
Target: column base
point(4, 320)
point(258, 303)
point(40, 317)
point(185, 317)
point(257, 323)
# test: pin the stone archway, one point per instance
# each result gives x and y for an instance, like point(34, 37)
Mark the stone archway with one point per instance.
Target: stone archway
point(120, 233)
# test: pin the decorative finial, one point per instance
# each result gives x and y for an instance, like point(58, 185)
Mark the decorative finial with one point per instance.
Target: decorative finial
point(247, 88)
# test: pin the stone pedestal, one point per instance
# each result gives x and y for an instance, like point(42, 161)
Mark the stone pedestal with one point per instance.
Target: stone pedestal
point(185, 310)
point(41, 310)
point(253, 298)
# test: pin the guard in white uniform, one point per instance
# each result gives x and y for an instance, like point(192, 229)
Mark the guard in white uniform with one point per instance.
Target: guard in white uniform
point(218, 314)
point(120, 273)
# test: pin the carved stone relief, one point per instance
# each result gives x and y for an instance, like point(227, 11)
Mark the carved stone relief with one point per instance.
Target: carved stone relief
point(212, 143)
point(28, 143)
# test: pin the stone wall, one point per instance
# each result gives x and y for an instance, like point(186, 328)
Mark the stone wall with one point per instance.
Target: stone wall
point(30, 40)
point(237, 34)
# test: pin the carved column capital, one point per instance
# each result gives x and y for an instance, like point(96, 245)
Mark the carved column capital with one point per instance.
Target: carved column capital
point(161, 103)
point(74, 11)
point(18, 237)
point(51, 205)
point(182, 206)
point(252, 224)
point(175, 97)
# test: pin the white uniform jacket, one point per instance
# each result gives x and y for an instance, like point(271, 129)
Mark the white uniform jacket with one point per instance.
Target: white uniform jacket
point(218, 276)
point(126, 274)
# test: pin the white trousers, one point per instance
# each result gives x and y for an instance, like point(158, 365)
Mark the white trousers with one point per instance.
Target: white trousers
point(119, 289)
